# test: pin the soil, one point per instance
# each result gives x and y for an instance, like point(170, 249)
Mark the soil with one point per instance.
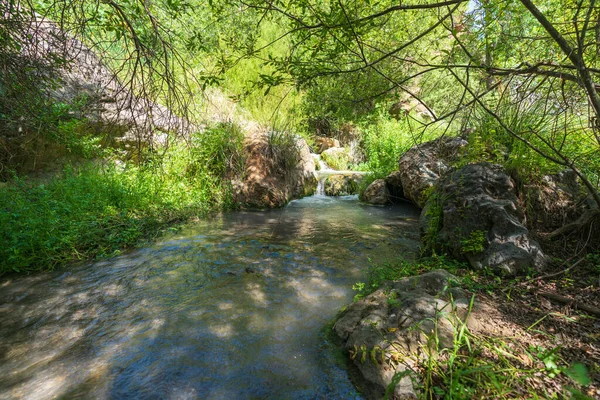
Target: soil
point(522, 311)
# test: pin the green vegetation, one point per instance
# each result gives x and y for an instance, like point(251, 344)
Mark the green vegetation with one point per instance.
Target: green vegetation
point(378, 274)
point(518, 80)
point(95, 211)
point(474, 243)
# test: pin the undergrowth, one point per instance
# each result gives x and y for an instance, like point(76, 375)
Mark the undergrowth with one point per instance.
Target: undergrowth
point(390, 271)
point(92, 211)
point(473, 365)
point(477, 366)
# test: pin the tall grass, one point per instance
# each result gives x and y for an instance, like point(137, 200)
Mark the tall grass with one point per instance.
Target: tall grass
point(95, 211)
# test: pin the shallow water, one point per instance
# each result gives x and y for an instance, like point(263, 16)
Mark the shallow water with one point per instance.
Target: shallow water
point(230, 308)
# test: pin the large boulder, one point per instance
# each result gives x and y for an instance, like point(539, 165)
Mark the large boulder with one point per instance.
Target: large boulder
point(394, 185)
point(422, 165)
point(554, 201)
point(279, 168)
point(391, 330)
point(376, 193)
point(110, 105)
point(474, 214)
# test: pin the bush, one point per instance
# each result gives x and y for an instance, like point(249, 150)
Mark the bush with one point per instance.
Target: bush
point(91, 212)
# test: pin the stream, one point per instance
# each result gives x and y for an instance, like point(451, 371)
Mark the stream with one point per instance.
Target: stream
point(229, 308)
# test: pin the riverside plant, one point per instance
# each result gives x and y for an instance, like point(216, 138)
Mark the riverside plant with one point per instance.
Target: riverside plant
point(92, 211)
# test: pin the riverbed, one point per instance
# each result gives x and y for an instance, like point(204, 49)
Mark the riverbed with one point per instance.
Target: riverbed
point(229, 308)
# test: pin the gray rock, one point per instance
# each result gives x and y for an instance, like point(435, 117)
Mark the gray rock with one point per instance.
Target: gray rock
point(376, 193)
point(421, 166)
point(474, 214)
point(397, 322)
point(555, 201)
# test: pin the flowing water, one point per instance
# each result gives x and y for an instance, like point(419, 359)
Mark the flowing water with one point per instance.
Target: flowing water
point(230, 308)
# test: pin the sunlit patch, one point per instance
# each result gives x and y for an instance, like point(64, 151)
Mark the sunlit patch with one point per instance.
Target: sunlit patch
point(222, 331)
point(225, 306)
point(256, 293)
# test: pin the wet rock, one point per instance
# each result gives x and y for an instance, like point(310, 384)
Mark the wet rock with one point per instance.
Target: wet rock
point(474, 215)
point(342, 185)
point(421, 166)
point(391, 330)
point(376, 193)
point(275, 172)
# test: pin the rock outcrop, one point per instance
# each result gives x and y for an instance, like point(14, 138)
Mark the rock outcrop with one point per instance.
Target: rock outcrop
point(391, 330)
point(376, 193)
point(474, 215)
point(108, 105)
point(276, 171)
point(394, 185)
point(421, 166)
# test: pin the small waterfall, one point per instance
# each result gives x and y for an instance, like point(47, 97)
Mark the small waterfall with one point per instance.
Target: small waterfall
point(326, 171)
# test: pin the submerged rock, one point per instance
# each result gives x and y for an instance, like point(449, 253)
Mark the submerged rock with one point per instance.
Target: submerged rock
point(391, 330)
point(422, 165)
point(376, 193)
point(474, 214)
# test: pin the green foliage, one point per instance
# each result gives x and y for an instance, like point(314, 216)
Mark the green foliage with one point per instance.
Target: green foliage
point(91, 212)
point(284, 151)
point(385, 140)
point(474, 243)
point(488, 367)
point(339, 160)
point(217, 151)
point(433, 216)
point(378, 274)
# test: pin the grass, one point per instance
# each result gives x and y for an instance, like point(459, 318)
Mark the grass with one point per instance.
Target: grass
point(479, 363)
point(92, 211)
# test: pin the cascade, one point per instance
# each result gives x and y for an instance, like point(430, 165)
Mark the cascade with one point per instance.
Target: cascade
point(326, 171)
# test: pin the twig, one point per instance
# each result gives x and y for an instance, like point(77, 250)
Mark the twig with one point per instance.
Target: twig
point(552, 275)
point(565, 300)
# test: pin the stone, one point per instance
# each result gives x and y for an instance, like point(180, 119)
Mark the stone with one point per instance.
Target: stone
point(474, 214)
point(397, 321)
point(394, 186)
point(275, 171)
point(555, 201)
point(422, 165)
point(376, 193)
point(323, 143)
point(342, 185)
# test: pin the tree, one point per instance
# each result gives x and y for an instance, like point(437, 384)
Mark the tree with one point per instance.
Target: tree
point(541, 59)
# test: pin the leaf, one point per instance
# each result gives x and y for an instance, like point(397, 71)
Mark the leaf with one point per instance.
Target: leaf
point(579, 373)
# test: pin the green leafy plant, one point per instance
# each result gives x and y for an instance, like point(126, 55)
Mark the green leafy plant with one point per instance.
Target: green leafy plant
point(474, 243)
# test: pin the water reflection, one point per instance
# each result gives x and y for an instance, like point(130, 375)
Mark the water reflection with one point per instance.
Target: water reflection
point(230, 308)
